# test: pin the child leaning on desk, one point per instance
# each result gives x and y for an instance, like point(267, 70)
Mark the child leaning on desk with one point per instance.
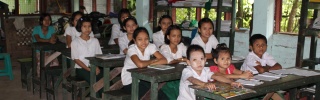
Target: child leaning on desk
point(222, 58)
point(138, 56)
point(85, 46)
point(197, 74)
point(259, 61)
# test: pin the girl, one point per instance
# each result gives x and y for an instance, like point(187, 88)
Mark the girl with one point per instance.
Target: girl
point(173, 49)
point(45, 33)
point(205, 38)
point(116, 28)
point(130, 24)
point(85, 46)
point(164, 22)
point(222, 58)
point(71, 33)
point(138, 56)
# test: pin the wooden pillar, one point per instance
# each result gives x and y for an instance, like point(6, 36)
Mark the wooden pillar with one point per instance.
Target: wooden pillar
point(124, 3)
point(198, 13)
point(108, 6)
point(227, 16)
point(302, 31)
point(173, 14)
point(94, 5)
point(151, 10)
point(80, 4)
point(277, 15)
point(16, 7)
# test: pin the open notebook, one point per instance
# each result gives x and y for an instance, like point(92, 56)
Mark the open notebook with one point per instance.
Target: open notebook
point(161, 67)
point(110, 56)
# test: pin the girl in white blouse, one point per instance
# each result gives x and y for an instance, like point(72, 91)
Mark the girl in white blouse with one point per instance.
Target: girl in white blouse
point(205, 38)
point(130, 24)
point(138, 56)
point(85, 46)
point(164, 22)
point(116, 31)
point(71, 33)
point(173, 49)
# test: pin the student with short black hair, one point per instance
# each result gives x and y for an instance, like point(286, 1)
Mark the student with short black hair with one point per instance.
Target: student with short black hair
point(117, 29)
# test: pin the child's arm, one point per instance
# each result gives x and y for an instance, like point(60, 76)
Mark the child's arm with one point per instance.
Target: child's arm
point(68, 40)
point(225, 80)
point(140, 63)
point(159, 59)
point(275, 67)
point(236, 74)
point(195, 81)
point(37, 37)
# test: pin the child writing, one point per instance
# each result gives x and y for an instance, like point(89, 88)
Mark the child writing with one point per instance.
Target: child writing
point(259, 61)
point(222, 58)
point(130, 24)
point(197, 74)
point(205, 38)
point(173, 49)
point(138, 56)
point(116, 28)
point(71, 33)
point(164, 22)
point(85, 46)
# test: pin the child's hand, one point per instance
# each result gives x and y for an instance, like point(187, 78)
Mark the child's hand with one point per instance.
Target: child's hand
point(247, 75)
point(210, 86)
point(236, 84)
point(52, 40)
point(97, 71)
point(258, 63)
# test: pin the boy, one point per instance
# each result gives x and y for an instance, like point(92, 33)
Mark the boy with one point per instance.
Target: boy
point(197, 74)
point(258, 60)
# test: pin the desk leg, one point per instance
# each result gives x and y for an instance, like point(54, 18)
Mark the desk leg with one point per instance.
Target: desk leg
point(134, 88)
point(64, 80)
point(293, 94)
point(42, 73)
point(92, 80)
point(106, 79)
point(154, 90)
point(317, 94)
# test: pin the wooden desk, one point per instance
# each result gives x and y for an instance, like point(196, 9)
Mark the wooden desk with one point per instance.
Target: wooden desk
point(155, 76)
point(106, 65)
point(290, 82)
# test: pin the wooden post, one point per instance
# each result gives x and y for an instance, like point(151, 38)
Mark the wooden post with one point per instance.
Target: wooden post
point(277, 15)
point(227, 16)
point(198, 13)
point(233, 26)
point(151, 10)
point(16, 7)
point(302, 30)
point(81, 4)
point(173, 14)
point(124, 3)
point(217, 32)
point(108, 6)
point(94, 5)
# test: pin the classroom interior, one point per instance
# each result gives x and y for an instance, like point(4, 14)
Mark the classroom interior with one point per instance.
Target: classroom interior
point(291, 49)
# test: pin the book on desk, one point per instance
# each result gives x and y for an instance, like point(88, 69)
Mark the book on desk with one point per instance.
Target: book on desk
point(161, 67)
point(110, 56)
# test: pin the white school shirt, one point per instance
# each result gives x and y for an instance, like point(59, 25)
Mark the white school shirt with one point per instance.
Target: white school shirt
point(158, 38)
point(251, 59)
point(186, 93)
point(212, 43)
point(165, 50)
point(115, 33)
point(123, 43)
point(129, 64)
point(71, 31)
point(81, 49)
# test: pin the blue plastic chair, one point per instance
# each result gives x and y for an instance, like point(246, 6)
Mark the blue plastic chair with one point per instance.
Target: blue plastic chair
point(8, 67)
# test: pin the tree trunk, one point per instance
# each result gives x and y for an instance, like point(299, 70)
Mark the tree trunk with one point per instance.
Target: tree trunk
point(292, 15)
point(240, 13)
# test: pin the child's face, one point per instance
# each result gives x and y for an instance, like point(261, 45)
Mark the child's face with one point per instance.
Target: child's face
point(130, 26)
point(124, 16)
point(224, 60)
point(86, 28)
point(46, 21)
point(174, 37)
point(197, 60)
point(142, 40)
point(259, 47)
point(76, 18)
point(206, 30)
point(164, 24)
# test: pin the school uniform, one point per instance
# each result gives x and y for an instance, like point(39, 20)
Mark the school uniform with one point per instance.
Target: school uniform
point(115, 33)
point(211, 44)
point(252, 58)
point(158, 38)
point(165, 50)
point(123, 43)
point(186, 93)
point(71, 31)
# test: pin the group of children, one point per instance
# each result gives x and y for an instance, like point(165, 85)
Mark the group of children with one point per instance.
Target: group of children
point(167, 48)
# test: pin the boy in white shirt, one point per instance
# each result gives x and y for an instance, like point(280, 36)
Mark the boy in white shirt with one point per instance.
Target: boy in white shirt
point(205, 38)
point(197, 74)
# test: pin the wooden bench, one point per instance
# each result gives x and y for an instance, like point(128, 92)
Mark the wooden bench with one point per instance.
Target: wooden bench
point(25, 67)
point(118, 95)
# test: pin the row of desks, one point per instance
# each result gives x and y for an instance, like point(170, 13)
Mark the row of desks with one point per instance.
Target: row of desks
point(155, 77)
